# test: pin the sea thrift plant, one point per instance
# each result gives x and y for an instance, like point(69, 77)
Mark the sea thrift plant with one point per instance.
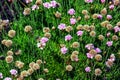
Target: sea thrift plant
point(71, 11)
point(59, 39)
point(64, 50)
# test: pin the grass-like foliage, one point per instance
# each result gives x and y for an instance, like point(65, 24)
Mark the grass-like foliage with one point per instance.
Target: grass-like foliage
point(61, 40)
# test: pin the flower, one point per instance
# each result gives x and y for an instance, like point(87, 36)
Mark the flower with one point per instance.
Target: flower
point(47, 5)
point(28, 28)
point(36, 66)
point(102, 1)
point(98, 57)
point(28, 1)
point(8, 43)
point(13, 72)
point(87, 69)
point(98, 72)
point(9, 59)
point(38, 2)
point(88, 1)
point(109, 43)
point(68, 37)
point(46, 70)
point(112, 57)
point(75, 44)
point(116, 29)
point(44, 40)
point(69, 68)
point(41, 45)
point(11, 33)
point(64, 50)
point(72, 21)
point(27, 11)
point(109, 17)
point(53, 3)
point(98, 50)
point(99, 16)
point(1, 75)
point(111, 7)
point(109, 63)
point(89, 46)
point(35, 7)
point(108, 34)
point(79, 33)
point(90, 55)
point(8, 78)
point(71, 11)
point(61, 26)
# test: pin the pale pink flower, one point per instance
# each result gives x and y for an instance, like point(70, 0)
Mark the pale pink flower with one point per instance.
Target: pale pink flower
point(90, 55)
point(109, 63)
point(72, 21)
point(88, 1)
point(8, 78)
point(116, 29)
point(71, 11)
point(109, 43)
point(76, 59)
point(99, 16)
point(1, 75)
point(79, 33)
point(13, 72)
point(111, 7)
point(112, 57)
point(64, 50)
point(28, 1)
point(47, 5)
point(87, 69)
point(44, 40)
point(102, 1)
point(108, 34)
point(53, 3)
point(89, 46)
point(61, 26)
point(35, 7)
point(41, 45)
point(109, 17)
point(68, 37)
point(98, 50)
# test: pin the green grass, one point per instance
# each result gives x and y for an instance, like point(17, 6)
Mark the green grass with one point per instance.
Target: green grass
point(55, 61)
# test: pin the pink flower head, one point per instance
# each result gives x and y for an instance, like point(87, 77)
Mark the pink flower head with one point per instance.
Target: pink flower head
point(109, 17)
point(89, 46)
point(76, 59)
point(1, 75)
point(61, 26)
point(35, 7)
point(47, 5)
point(41, 45)
point(109, 43)
point(116, 29)
point(53, 3)
point(72, 21)
point(88, 1)
point(79, 33)
point(99, 16)
point(13, 72)
point(90, 56)
point(102, 1)
point(71, 11)
point(44, 40)
point(87, 69)
point(108, 34)
point(8, 78)
point(111, 7)
point(28, 1)
point(68, 37)
point(112, 57)
point(64, 50)
point(98, 50)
